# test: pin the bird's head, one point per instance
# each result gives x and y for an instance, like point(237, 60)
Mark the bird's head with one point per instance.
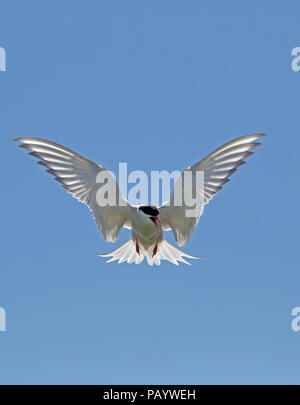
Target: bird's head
point(152, 213)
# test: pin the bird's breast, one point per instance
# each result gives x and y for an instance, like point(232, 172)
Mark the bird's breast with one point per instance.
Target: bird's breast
point(145, 230)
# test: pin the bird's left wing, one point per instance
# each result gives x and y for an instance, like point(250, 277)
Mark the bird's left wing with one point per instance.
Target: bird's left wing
point(80, 177)
point(217, 167)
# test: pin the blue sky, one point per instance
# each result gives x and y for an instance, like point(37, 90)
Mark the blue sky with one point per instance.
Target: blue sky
point(157, 85)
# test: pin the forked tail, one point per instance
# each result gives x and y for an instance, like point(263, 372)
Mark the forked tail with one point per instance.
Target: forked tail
point(166, 251)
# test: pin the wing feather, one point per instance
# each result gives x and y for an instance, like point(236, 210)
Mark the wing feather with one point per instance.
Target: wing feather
point(218, 166)
point(77, 176)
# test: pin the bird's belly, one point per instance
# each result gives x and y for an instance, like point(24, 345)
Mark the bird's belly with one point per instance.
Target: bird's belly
point(147, 231)
point(147, 234)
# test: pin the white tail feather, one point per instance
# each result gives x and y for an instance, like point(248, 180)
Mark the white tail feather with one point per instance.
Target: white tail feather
point(166, 251)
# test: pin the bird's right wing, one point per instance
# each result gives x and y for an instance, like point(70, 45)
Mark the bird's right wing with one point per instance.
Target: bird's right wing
point(217, 167)
point(80, 177)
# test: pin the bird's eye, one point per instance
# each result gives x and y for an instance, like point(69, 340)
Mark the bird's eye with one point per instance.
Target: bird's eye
point(149, 210)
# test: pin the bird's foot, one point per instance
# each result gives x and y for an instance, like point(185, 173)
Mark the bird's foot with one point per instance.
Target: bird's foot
point(155, 249)
point(137, 247)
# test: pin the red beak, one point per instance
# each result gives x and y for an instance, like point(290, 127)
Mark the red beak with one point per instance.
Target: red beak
point(155, 220)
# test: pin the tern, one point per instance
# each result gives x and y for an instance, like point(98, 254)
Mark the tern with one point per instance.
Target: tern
point(147, 223)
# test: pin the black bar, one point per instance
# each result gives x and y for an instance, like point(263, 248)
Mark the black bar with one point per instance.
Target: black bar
point(136, 393)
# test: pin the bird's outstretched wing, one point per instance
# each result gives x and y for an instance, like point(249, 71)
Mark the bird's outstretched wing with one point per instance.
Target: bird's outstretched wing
point(217, 167)
point(79, 177)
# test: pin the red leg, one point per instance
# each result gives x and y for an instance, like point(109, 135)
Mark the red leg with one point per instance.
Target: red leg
point(155, 249)
point(137, 247)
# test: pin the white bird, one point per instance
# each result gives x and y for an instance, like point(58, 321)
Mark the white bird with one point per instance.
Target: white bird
point(147, 223)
